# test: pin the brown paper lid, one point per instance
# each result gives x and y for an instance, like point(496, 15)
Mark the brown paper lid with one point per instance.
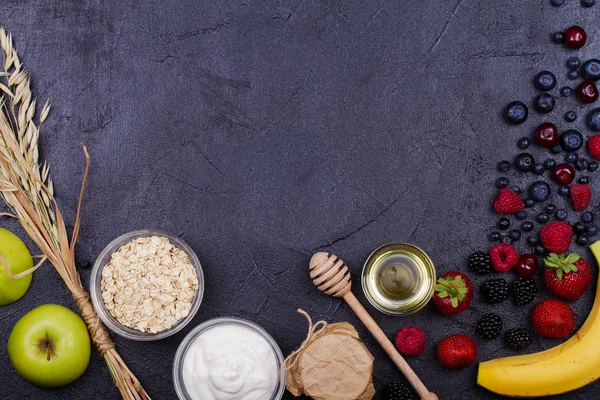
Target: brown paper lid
point(337, 366)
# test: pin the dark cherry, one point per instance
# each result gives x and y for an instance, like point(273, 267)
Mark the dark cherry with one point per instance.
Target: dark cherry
point(528, 265)
point(563, 173)
point(587, 91)
point(575, 37)
point(546, 135)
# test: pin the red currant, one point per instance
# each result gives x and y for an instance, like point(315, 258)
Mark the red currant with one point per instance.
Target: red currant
point(527, 265)
point(575, 37)
point(563, 173)
point(546, 135)
point(588, 92)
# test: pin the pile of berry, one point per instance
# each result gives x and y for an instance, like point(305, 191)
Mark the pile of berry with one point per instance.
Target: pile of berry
point(551, 226)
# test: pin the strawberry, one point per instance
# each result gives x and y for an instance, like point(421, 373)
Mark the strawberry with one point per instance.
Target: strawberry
point(556, 236)
point(410, 341)
point(508, 202)
point(453, 293)
point(594, 146)
point(567, 276)
point(457, 351)
point(553, 319)
point(504, 257)
point(581, 195)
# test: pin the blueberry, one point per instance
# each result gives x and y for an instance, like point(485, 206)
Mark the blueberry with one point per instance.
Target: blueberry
point(579, 227)
point(527, 226)
point(503, 166)
point(557, 3)
point(503, 224)
point(539, 191)
point(516, 189)
point(588, 3)
point(542, 218)
point(550, 208)
point(564, 190)
point(591, 69)
point(572, 75)
point(544, 103)
point(533, 240)
point(581, 164)
point(523, 143)
point(573, 63)
point(558, 37)
point(502, 182)
point(515, 235)
point(571, 157)
point(555, 149)
point(591, 230)
point(539, 169)
point(593, 119)
point(529, 203)
point(587, 217)
point(506, 240)
point(540, 250)
point(561, 214)
point(522, 215)
point(566, 91)
point(592, 166)
point(582, 240)
point(516, 112)
point(524, 162)
point(584, 180)
point(545, 81)
point(571, 140)
point(494, 236)
point(570, 116)
point(549, 164)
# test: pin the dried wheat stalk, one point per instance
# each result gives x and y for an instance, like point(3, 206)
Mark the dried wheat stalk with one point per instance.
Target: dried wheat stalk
point(28, 191)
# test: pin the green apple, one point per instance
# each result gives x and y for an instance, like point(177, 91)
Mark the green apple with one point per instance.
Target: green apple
point(18, 258)
point(50, 346)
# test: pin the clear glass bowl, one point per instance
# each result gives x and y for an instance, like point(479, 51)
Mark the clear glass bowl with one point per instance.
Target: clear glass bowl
point(398, 278)
point(96, 290)
point(183, 394)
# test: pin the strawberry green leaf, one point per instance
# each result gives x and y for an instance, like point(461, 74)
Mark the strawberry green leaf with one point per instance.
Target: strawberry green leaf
point(572, 258)
point(454, 302)
point(559, 273)
point(439, 288)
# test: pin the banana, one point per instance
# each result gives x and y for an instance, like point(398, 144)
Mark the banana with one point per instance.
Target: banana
point(569, 366)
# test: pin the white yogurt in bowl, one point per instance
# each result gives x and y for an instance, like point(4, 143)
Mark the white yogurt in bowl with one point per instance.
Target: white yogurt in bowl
point(228, 359)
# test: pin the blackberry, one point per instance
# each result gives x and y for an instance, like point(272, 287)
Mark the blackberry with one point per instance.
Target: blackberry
point(479, 263)
point(398, 391)
point(496, 290)
point(490, 326)
point(524, 290)
point(518, 338)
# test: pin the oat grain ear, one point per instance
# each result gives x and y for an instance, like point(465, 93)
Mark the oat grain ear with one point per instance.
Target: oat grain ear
point(27, 189)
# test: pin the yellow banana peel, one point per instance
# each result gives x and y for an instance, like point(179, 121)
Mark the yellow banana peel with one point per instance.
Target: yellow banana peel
point(566, 367)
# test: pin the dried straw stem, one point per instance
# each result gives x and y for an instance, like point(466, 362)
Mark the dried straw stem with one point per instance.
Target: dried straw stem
point(28, 191)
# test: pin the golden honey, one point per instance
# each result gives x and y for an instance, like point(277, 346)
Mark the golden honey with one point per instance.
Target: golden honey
point(398, 278)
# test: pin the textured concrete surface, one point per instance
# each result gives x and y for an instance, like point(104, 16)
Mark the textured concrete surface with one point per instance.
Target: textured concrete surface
point(262, 131)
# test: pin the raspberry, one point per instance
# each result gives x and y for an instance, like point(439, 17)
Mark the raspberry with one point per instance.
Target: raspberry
point(504, 257)
point(556, 236)
point(508, 202)
point(581, 195)
point(594, 146)
point(411, 341)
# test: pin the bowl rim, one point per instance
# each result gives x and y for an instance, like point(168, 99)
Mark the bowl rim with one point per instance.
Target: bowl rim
point(187, 341)
point(96, 290)
point(429, 265)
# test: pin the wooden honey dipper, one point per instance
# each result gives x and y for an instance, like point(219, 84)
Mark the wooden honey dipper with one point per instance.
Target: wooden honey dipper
point(332, 276)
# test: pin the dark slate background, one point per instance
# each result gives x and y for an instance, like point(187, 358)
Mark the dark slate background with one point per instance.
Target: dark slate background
point(263, 131)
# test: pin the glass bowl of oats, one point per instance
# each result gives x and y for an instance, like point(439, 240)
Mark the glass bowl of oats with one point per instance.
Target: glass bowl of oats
point(147, 285)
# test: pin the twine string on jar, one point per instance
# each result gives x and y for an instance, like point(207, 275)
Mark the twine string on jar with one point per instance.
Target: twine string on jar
point(313, 331)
